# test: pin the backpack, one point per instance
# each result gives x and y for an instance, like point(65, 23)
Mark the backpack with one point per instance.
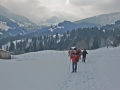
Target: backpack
point(77, 59)
point(78, 52)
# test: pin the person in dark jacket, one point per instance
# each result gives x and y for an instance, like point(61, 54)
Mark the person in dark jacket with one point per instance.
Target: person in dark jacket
point(84, 55)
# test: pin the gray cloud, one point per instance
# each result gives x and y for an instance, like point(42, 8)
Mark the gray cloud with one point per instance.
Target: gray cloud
point(82, 2)
point(111, 6)
point(102, 6)
point(40, 10)
point(28, 8)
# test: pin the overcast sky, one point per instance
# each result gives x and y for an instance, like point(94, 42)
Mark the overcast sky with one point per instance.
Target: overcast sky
point(40, 10)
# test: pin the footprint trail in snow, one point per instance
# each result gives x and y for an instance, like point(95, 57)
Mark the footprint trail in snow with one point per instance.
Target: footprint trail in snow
point(84, 79)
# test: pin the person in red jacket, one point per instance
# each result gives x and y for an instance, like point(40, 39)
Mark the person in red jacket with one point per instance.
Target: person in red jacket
point(74, 58)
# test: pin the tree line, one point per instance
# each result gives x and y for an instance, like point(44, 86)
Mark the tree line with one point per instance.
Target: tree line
point(83, 38)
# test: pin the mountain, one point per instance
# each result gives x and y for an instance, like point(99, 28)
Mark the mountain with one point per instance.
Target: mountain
point(15, 17)
point(117, 22)
point(10, 28)
point(9, 23)
point(64, 27)
point(102, 19)
point(12, 24)
point(54, 20)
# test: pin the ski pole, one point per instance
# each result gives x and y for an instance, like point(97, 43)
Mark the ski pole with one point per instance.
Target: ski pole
point(78, 66)
point(69, 66)
point(87, 58)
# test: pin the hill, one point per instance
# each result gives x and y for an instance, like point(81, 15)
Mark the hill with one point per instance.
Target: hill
point(51, 70)
point(64, 27)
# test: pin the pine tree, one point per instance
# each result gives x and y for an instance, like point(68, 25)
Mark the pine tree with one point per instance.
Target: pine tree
point(57, 37)
point(12, 46)
point(95, 43)
point(0, 46)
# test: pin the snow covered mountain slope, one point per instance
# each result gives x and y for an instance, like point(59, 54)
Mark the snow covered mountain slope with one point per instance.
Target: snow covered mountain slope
point(51, 70)
point(15, 17)
point(12, 24)
point(3, 26)
point(102, 19)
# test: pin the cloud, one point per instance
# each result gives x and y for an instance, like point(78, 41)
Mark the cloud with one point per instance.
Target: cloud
point(40, 10)
point(28, 8)
point(111, 6)
point(82, 2)
point(67, 2)
point(89, 8)
point(98, 5)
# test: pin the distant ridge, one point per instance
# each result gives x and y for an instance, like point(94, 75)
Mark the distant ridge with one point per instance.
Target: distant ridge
point(17, 18)
point(102, 19)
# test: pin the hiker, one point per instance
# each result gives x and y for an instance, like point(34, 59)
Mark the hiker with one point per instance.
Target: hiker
point(79, 53)
point(74, 61)
point(84, 55)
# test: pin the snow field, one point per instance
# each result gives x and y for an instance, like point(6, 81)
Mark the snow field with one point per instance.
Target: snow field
point(51, 70)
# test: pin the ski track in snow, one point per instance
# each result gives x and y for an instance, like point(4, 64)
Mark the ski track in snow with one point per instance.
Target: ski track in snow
point(82, 80)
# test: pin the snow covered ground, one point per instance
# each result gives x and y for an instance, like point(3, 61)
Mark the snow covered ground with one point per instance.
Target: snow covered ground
point(51, 70)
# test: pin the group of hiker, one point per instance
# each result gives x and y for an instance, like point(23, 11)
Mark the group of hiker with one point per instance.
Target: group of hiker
point(75, 55)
